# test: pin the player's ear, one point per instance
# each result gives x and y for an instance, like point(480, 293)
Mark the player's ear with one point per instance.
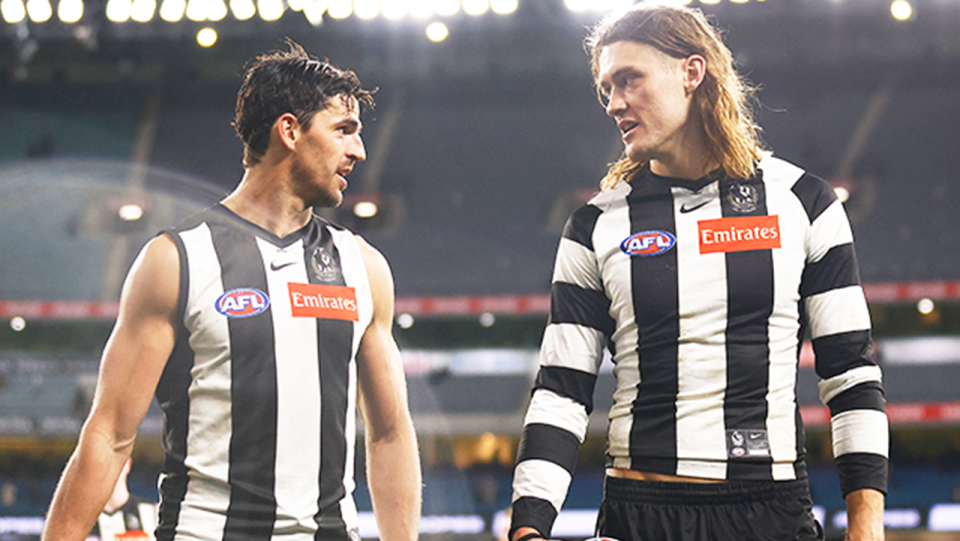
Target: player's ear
point(287, 130)
point(694, 70)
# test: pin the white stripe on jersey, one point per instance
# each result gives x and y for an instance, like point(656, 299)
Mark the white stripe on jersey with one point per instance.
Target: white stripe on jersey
point(298, 392)
point(831, 228)
point(549, 408)
point(838, 311)
point(541, 479)
point(701, 366)
point(860, 431)
point(208, 434)
point(577, 267)
point(355, 275)
point(830, 388)
point(612, 227)
point(783, 326)
point(572, 346)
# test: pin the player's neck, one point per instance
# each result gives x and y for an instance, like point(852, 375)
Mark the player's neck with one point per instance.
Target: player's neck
point(263, 201)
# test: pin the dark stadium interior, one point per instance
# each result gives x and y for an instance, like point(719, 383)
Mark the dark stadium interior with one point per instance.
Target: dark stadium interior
point(479, 148)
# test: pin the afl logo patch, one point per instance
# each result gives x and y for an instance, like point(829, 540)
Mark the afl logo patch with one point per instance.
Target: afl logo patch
point(648, 243)
point(242, 302)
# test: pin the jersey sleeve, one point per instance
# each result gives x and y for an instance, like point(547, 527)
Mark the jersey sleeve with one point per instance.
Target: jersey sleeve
point(562, 399)
point(839, 324)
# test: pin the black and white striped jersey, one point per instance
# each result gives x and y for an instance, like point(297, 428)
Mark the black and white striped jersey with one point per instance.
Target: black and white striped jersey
point(259, 393)
point(702, 290)
point(135, 515)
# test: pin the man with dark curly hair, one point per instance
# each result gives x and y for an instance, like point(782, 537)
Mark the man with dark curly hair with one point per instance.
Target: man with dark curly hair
point(261, 329)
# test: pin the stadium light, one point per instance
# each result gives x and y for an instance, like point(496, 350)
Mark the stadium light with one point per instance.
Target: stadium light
point(366, 9)
point(216, 10)
point(475, 7)
point(142, 10)
point(394, 9)
point(207, 37)
point(365, 209)
point(437, 31)
point(900, 9)
point(405, 321)
point(13, 11)
point(18, 324)
point(39, 10)
point(339, 9)
point(70, 11)
point(243, 10)
point(446, 8)
point(504, 7)
point(196, 10)
point(118, 11)
point(421, 9)
point(313, 11)
point(270, 10)
point(172, 10)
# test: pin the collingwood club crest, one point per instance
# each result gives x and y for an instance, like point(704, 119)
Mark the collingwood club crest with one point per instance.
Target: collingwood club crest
point(324, 265)
point(743, 198)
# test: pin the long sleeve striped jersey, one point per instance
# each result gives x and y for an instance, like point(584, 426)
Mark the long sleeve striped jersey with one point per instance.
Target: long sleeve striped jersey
point(703, 291)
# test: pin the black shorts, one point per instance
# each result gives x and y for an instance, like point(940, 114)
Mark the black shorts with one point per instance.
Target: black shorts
point(735, 510)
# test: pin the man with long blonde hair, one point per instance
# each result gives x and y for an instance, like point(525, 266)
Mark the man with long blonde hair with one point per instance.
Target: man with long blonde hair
point(700, 265)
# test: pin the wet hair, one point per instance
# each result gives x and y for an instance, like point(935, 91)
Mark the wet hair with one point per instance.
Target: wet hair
point(723, 99)
point(290, 81)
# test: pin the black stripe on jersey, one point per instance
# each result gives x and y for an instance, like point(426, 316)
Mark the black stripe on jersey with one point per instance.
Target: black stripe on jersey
point(837, 269)
point(815, 195)
point(865, 396)
point(535, 513)
point(171, 395)
point(862, 470)
point(654, 285)
point(335, 347)
point(253, 439)
point(573, 384)
point(749, 306)
point(579, 227)
point(550, 443)
point(571, 303)
point(837, 353)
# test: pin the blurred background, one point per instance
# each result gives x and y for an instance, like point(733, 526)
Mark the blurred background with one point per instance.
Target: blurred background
point(115, 122)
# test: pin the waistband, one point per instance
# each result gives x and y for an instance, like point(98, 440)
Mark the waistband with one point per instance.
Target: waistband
point(728, 492)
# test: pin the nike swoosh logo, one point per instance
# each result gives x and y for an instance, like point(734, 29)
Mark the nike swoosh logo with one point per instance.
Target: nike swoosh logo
point(275, 267)
point(685, 209)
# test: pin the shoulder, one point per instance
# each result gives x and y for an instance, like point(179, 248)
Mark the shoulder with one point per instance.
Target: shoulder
point(778, 170)
point(813, 192)
point(377, 266)
point(161, 252)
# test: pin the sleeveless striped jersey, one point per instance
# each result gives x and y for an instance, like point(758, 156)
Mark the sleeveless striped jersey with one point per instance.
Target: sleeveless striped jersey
point(703, 290)
point(259, 393)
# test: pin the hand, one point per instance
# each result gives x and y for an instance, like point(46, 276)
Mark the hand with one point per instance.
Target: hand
point(526, 533)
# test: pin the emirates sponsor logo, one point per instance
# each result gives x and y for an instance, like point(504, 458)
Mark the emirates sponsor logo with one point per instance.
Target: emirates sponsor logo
point(739, 234)
point(323, 302)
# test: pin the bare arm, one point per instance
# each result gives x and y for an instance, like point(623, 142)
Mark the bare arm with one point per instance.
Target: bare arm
point(865, 515)
point(393, 463)
point(132, 363)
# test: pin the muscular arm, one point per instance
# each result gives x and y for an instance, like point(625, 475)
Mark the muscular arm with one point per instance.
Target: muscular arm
point(132, 363)
point(865, 515)
point(393, 464)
